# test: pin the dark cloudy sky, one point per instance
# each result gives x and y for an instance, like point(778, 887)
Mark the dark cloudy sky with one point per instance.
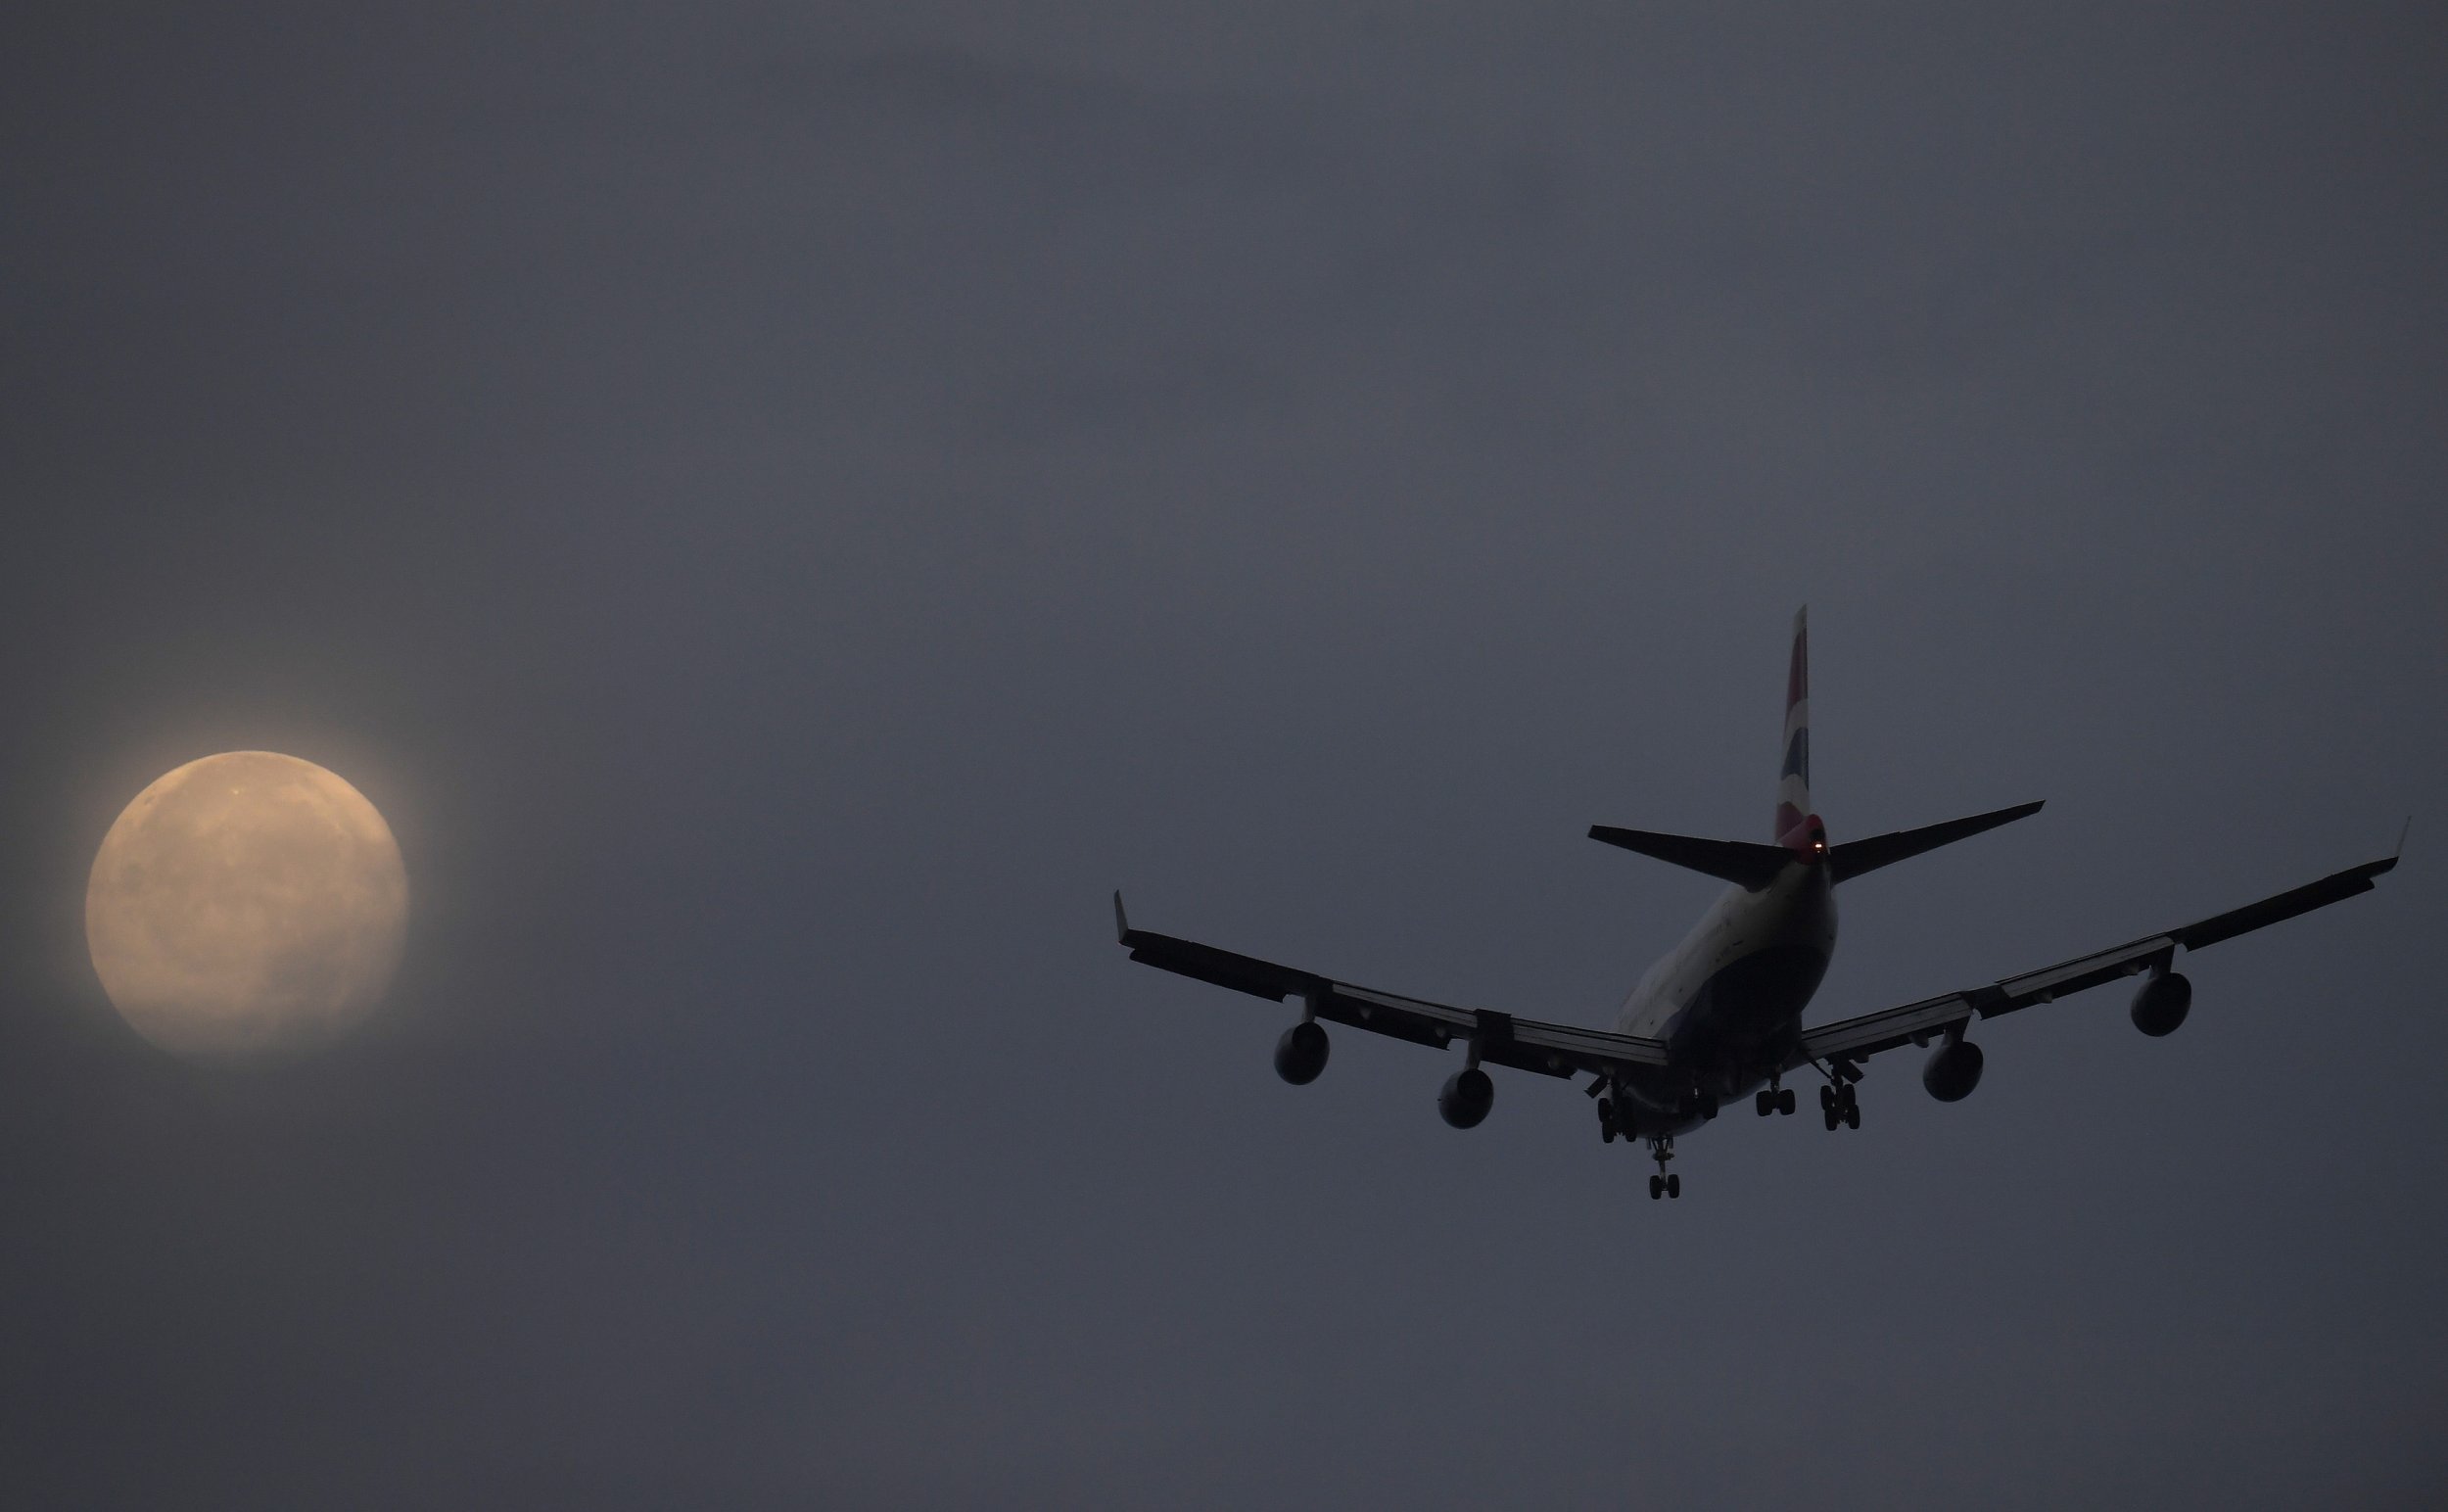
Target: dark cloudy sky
point(784, 508)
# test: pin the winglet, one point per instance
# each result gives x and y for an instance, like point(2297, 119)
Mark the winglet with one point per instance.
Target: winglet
point(2399, 853)
point(1121, 920)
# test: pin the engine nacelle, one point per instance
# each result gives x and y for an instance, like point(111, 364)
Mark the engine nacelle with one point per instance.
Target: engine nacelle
point(1466, 1097)
point(1301, 1052)
point(2162, 1003)
point(1953, 1071)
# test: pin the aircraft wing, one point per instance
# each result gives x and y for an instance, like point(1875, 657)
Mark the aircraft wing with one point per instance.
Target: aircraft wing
point(1850, 1039)
point(1501, 1039)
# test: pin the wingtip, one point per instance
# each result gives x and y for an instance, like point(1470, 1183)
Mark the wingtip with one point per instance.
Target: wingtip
point(1121, 919)
point(2402, 832)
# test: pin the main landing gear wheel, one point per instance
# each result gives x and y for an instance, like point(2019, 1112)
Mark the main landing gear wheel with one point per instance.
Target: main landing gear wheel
point(1774, 1100)
point(1785, 1100)
point(1840, 1107)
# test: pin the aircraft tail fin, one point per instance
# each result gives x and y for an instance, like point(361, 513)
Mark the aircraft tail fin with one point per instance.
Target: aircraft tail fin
point(1793, 819)
point(1855, 857)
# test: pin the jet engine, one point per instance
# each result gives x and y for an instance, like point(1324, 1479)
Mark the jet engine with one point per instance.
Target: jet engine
point(1466, 1097)
point(2162, 1003)
point(1301, 1052)
point(1953, 1071)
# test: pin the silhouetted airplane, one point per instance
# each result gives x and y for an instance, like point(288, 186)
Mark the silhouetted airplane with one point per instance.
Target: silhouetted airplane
point(1721, 1013)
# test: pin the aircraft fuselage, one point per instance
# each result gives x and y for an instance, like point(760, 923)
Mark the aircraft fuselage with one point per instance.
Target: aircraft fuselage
point(1729, 998)
point(1721, 1013)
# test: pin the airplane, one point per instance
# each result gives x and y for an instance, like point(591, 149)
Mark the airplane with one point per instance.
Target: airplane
point(1721, 1014)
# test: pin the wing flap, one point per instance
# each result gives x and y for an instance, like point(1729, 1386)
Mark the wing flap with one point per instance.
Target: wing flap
point(1871, 1033)
point(1361, 1012)
point(2049, 984)
point(1589, 1050)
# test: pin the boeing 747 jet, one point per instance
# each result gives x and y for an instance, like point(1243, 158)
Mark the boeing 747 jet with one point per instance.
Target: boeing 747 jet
point(1721, 1016)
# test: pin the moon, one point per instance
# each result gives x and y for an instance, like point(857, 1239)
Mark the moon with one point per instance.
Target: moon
point(246, 903)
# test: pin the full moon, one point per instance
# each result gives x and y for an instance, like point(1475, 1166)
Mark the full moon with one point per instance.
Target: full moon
point(247, 901)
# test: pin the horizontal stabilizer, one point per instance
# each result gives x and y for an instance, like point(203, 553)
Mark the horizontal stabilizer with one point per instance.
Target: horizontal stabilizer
point(1737, 860)
point(1855, 857)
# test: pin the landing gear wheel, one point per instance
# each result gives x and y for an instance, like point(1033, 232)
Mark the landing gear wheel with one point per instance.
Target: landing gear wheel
point(1827, 1101)
point(1852, 1116)
point(1606, 1120)
point(1832, 1116)
point(1657, 1188)
point(1765, 1102)
point(1673, 1186)
point(1785, 1102)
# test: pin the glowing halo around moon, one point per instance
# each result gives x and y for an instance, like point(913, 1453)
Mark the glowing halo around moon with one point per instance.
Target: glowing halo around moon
point(246, 903)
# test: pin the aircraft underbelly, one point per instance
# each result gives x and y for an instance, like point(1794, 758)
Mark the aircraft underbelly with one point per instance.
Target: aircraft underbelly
point(1750, 1001)
point(1737, 1012)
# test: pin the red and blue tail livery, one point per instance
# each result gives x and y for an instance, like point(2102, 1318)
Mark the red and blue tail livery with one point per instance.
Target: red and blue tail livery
point(1793, 782)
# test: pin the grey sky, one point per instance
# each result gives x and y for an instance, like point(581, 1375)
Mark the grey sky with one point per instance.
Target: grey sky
point(784, 508)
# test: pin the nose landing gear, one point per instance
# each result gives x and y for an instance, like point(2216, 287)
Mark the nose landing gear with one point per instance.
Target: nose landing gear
point(1661, 1150)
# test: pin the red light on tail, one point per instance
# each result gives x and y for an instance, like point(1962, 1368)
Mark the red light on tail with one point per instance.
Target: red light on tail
point(1808, 840)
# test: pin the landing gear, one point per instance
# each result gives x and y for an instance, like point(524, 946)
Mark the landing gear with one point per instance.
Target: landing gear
point(1838, 1105)
point(1607, 1128)
point(1661, 1150)
point(1774, 1100)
